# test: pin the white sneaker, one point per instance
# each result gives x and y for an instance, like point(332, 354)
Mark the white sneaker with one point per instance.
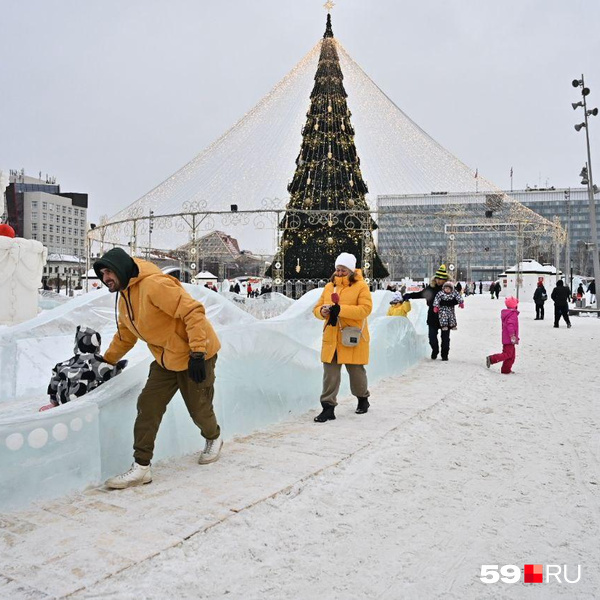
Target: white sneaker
point(137, 475)
point(211, 451)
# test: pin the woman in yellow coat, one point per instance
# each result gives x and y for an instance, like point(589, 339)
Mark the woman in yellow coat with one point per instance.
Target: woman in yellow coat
point(345, 302)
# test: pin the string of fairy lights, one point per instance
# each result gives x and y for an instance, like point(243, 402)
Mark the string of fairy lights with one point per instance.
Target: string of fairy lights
point(256, 158)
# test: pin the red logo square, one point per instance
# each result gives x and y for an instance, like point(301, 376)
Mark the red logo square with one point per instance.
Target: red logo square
point(533, 574)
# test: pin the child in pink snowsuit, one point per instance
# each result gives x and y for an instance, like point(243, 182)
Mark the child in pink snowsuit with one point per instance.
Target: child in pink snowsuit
point(510, 337)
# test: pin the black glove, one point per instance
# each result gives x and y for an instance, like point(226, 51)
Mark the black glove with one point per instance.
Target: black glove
point(334, 311)
point(197, 367)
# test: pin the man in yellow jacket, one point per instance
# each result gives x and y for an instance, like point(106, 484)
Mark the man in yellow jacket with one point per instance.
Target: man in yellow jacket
point(345, 302)
point(155, 308)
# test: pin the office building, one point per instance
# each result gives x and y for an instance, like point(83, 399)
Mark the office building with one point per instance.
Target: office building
point(413, 242)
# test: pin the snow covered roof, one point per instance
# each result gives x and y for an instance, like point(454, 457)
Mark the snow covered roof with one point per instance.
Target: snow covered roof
point(205, 275)
point(64, 258)
point(532, 266)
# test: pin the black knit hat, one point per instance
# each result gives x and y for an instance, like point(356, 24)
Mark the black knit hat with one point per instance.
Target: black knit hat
point(120, 263)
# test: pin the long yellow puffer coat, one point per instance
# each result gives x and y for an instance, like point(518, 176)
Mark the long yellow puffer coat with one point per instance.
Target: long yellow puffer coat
point(355, 307)
point(156, 309)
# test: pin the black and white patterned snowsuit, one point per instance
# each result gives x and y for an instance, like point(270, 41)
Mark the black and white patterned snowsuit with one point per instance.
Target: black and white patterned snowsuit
point(446, 303)
point(83, 372)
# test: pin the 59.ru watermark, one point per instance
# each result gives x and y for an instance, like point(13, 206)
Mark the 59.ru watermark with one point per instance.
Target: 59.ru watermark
point(531, 573)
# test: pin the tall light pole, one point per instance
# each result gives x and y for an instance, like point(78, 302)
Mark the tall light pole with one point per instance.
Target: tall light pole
point(568, 244)
point(590, 182)
point(150, 229)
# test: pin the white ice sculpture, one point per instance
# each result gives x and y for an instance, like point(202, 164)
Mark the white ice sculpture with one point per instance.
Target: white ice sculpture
point(21, 266)
point(267, 370)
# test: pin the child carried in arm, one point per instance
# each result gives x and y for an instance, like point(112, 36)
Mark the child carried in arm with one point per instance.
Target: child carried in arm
point(444, 303)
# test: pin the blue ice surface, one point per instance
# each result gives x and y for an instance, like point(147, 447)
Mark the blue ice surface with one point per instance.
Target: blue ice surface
point(267, 371)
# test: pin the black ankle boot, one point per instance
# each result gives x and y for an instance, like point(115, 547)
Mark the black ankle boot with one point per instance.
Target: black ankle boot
point(327, 414)
point(363, 406)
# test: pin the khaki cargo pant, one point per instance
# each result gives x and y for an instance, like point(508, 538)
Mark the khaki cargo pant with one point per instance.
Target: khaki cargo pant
point(332, 377)
point(152, 403)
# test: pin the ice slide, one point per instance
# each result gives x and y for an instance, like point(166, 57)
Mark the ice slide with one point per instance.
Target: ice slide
point(267, 370)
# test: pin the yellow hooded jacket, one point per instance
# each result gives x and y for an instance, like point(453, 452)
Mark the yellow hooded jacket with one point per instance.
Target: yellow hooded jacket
point(156, 309)
point(355, 307)
point(399, 310)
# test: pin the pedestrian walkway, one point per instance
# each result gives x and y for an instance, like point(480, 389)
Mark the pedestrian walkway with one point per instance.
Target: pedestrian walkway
point(453, 467)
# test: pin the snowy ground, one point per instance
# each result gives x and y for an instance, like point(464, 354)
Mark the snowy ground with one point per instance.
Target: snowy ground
point(454, 467)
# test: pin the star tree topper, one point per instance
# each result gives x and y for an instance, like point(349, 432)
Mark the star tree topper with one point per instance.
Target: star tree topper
point(329, 5)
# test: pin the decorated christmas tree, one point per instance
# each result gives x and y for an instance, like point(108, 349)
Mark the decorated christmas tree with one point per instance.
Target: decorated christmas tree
point(327, 212)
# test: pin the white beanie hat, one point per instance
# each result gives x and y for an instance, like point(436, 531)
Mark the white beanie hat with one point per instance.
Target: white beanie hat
point(345, 259)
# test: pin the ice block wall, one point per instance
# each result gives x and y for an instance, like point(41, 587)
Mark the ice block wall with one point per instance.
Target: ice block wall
point(267, 371)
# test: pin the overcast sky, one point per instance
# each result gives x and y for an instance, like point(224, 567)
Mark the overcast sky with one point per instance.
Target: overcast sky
point(113, 96)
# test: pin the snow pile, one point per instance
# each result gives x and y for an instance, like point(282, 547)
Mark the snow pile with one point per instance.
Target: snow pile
point(21, 265)
point(262, 307)
point(48, 299)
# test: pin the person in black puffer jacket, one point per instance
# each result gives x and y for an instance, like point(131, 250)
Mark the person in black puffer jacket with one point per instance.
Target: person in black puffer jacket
point(539, 297)
point(561, 294)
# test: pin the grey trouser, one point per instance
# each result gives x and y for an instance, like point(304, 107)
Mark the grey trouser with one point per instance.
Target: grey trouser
point(152, 403)
point(332, 377)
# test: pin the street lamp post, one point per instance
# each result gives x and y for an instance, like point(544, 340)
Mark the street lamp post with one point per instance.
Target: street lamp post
point(568, 242)
point(150, 229)
point(590, 182)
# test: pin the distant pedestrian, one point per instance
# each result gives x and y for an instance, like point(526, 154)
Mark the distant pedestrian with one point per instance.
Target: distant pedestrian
point(592, 290)
point(510, 337)
point(458, 287)
point(492, 289)
point(481, 287)
point(497, 289)
point(580, 292)
point(561, 294)
point(539, 297)
point(236, 287)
